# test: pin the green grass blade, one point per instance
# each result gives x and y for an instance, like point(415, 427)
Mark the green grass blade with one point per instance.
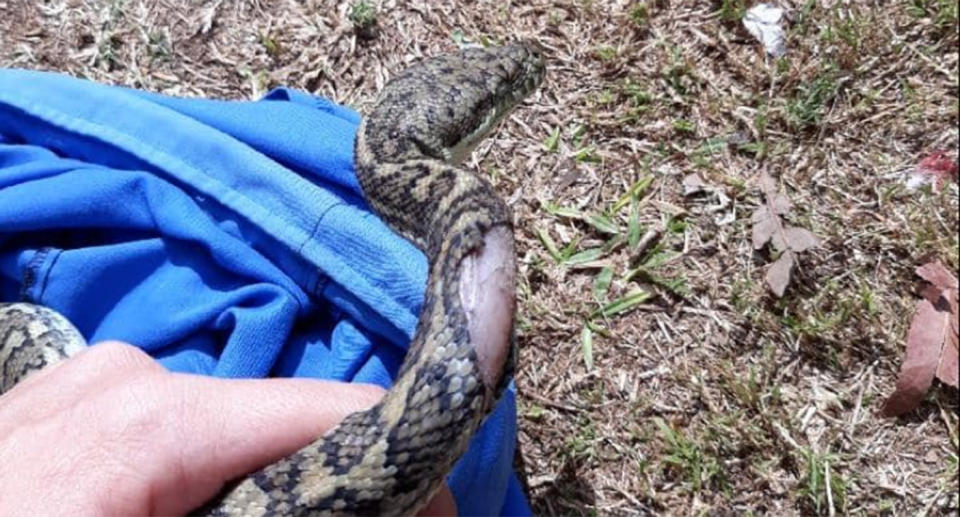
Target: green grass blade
point(625, 304)
point(549, 244)
point(584, 256)
point(634, 192)
point(601, 283)
point(602, 224)
point(553, 141)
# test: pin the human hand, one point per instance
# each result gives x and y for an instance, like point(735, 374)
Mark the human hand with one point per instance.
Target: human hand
point(111, 432)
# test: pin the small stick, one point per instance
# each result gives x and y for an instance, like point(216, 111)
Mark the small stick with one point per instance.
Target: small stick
point(826, 469)
point(645, 242)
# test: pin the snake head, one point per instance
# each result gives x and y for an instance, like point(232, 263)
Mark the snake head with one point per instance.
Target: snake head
point(443, 106)
point(499, 78)
point(511, 72)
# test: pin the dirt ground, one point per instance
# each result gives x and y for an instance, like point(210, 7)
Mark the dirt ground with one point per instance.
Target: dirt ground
point(657, 372)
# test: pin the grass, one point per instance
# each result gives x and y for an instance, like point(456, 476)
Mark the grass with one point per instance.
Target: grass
point(943, 12)
point(639, 14)
point(824, 488)
point(732, 10)
point(363, 16)
point(363, 13)
point(664, 379)
point(810, 101)
point(686, 459)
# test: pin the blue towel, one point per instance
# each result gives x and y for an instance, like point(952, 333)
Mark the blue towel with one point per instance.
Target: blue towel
point(224, 238)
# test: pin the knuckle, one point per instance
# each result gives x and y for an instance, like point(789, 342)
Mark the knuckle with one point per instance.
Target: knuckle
point(121, 355)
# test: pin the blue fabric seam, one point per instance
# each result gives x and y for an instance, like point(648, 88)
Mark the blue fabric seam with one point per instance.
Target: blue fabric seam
point(46, 277)
point(320, 283)
point(316, 226)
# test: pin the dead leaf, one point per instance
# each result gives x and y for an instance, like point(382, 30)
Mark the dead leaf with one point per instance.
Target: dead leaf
point(780, 204)
point(694, 184)
point(938, 275)
point(669, 208)
point(765, 227)
point(949, 369)
point(767, 184)
point(924, 340)
point(779, 274)
point(932, 294)
point(800, 239)
point(769, 228)
point(932, 341)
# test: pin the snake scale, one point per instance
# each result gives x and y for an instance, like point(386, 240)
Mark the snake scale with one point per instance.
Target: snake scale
point(392, 458)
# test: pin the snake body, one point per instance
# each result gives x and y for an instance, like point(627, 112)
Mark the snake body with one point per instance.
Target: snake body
point(391, 458)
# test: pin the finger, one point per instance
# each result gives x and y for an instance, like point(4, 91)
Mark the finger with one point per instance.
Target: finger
point(227, 428)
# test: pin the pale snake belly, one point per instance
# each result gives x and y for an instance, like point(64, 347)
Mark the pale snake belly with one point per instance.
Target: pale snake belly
point(392, 458)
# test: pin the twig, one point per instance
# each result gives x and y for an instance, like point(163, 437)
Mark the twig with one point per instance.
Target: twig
point(645, 242)
point(660, 370)
point(552, 404)
point(826, 474)
point(786, 436)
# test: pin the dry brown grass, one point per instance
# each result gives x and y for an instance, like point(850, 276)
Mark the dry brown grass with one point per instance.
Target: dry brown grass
point(711, 396)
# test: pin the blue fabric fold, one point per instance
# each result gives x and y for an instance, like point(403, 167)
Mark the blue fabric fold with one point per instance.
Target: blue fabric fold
point(224, 238)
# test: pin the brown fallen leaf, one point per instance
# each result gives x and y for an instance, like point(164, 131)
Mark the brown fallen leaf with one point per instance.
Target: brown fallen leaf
point(694, 184)
point(932, 341)
point(765, 226)
point(800, 239)
point(769, 228)
point(938, 275)
point(949, 369)
point(924, 340)
point(942, 293)
point(779, 274)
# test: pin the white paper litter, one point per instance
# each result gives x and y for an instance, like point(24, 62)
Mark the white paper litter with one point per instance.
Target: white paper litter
point(763, 22)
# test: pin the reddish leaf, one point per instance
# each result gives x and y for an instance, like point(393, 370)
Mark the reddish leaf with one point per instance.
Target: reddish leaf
point(938, 275)
point(939, 166)
point(932, 294)
point(947, 371)
point(931, 341)
point(779, 274)
point(949, 368)
point(924, 341)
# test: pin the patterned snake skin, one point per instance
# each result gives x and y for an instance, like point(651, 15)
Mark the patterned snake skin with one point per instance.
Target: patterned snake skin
point(392, 458)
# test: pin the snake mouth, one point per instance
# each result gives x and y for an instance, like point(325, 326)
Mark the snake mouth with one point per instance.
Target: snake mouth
point(526, 75)
point(488, 278)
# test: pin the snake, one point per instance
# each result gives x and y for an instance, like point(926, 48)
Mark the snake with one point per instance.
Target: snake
point(392, 458)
